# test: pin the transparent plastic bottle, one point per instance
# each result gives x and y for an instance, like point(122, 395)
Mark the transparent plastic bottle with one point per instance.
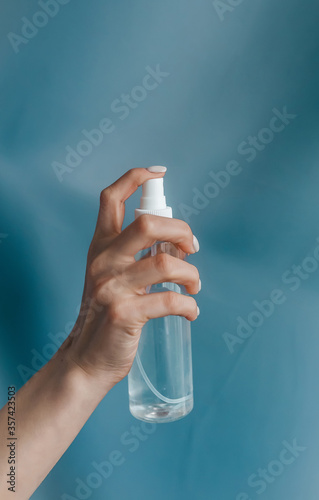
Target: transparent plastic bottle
point(160, 381)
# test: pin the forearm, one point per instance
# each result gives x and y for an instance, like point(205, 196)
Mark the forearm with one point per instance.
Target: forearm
point(51, 409)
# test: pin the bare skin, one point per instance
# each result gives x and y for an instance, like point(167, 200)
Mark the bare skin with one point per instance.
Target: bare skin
point(55, 403)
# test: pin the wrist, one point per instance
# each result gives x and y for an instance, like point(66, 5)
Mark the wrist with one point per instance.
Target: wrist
point(93, 382)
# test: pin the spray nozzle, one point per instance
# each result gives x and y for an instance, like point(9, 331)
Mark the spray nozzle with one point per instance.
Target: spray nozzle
point(153, 195)
point(153, 199)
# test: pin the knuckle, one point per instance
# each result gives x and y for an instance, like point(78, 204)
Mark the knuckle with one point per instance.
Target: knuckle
point(105, 290)
point(116, 312)
point(133, 176)
point(132, 172)
point(145, 224)
point(163, 263)
point(171, 300)
point(101, 294)
point(106, 195)
point(188, 231)
point(93, 268)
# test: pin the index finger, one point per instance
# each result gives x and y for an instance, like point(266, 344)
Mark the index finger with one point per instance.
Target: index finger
point(148, 228)
point(112, 199)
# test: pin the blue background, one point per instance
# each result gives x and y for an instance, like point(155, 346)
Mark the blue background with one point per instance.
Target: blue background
point(225, 77)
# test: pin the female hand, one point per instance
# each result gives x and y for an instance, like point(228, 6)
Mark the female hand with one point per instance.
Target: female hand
point(56, 402)
point(115, 305)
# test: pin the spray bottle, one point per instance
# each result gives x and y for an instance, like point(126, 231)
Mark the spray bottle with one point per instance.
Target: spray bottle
point(160, 382)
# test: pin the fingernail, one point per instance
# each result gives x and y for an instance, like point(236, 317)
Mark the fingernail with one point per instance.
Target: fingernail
point(195, 243)
point(199, 285)
point(156, 169)
point(198, 311)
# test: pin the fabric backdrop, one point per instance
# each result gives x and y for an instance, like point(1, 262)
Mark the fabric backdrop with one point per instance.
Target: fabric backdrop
point(225, 94)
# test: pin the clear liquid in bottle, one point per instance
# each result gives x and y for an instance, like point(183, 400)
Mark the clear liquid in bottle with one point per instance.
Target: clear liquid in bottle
point(160, 381)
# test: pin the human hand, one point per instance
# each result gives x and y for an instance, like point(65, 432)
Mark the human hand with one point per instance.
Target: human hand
point(115, 304)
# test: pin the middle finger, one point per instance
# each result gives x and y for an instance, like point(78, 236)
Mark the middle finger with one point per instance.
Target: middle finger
point(160, 268)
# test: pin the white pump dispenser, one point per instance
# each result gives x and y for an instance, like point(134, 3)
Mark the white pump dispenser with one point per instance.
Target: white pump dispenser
point(153, 200)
